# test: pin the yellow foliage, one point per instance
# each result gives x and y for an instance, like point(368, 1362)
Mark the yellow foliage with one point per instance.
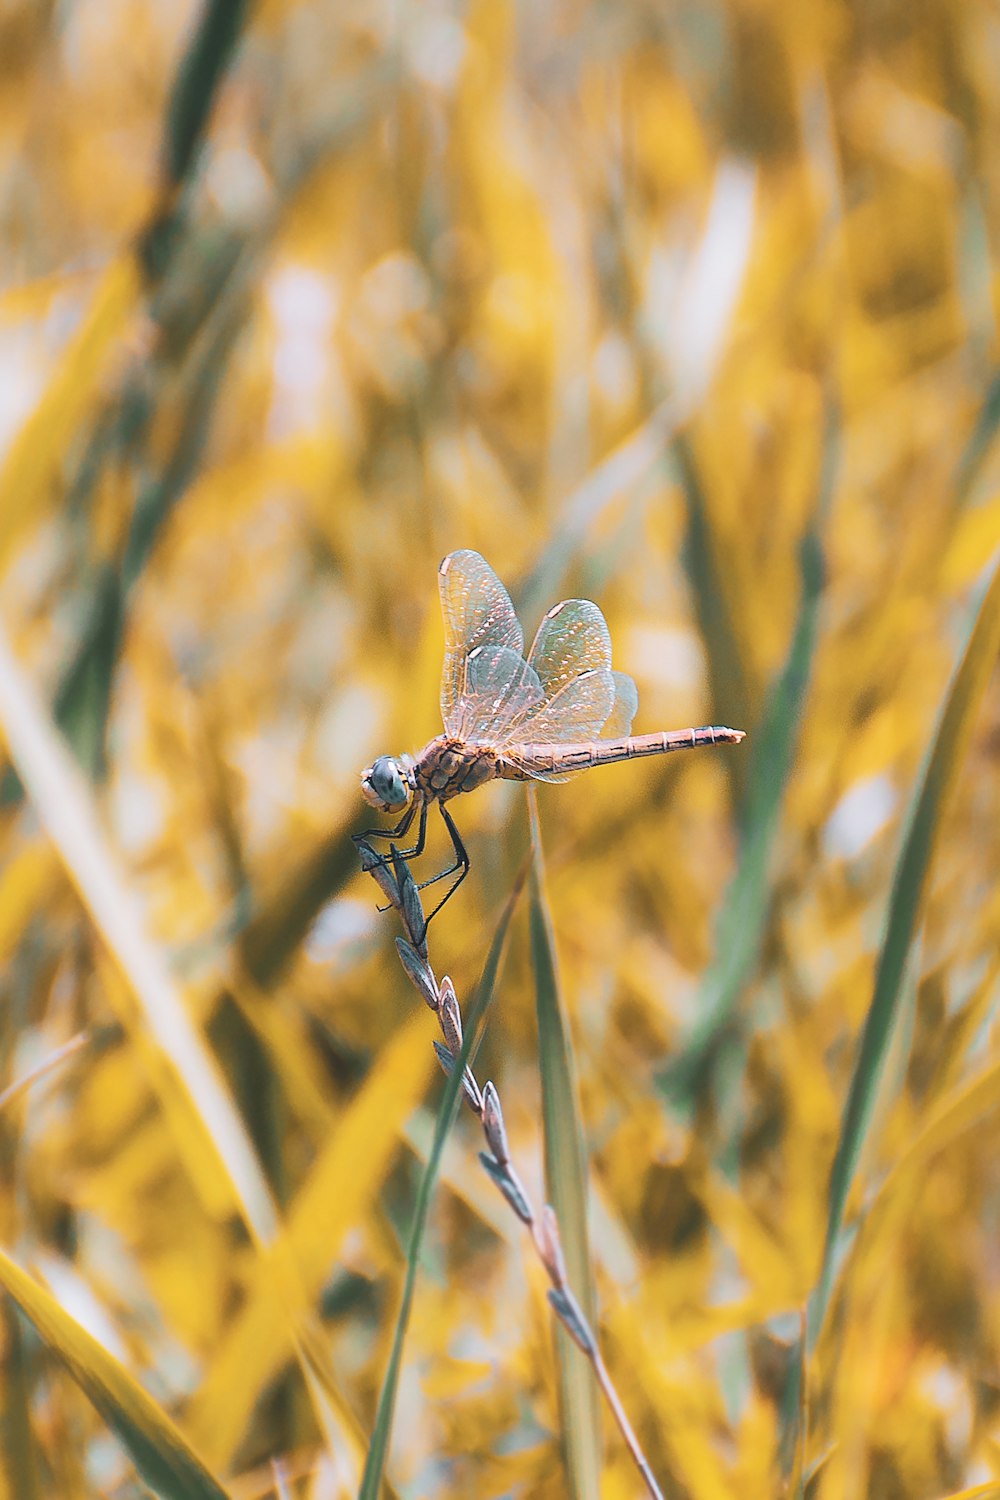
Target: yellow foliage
point(690, 310)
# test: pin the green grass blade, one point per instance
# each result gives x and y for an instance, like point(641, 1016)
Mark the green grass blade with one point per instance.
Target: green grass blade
point(371, 1481)
point(980, 442)
point(168, 1465)
point(743, 920)
point(625, 469)
point(566, 1181)
point(909, 885)
point(733, 695)
point(198, 80)
point(19, 1465)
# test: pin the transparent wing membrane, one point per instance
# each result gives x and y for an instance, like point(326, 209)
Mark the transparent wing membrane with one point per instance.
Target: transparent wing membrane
point(571, 639)
point(565, 692)
point(501, 690)
point(626, 706)
point(577, 711)
point(477, 613)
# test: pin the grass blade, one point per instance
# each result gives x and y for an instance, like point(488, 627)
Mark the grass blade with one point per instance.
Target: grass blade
point(622, 471)
point(981, 440)
point(161, 1454)
point(745, 913)
point(28, 479)
point(20, 1458)
point(929, 805)
point(733, 696)
point(343, 1183)
point(988, 1491)
point(197, 82)
point(212, 1137)
point(566, 1182)
point(371, 1481)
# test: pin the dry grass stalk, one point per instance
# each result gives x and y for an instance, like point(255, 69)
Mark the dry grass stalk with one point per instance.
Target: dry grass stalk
point(400, 889)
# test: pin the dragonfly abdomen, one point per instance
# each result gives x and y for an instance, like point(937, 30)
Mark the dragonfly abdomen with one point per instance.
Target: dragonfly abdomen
point(520, 762)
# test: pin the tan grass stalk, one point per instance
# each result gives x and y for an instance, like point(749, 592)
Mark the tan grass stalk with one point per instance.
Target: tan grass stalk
point(400, 889)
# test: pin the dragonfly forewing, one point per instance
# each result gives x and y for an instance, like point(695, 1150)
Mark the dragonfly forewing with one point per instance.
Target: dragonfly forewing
point(501, 691)
point(477, 614)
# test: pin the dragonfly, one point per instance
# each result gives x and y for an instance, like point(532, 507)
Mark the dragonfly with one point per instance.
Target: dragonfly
point(544, 717)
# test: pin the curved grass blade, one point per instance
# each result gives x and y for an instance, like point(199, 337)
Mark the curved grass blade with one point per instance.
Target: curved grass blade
point(623, 470)
point(371, 1481)
point(161, 1454)
point(53, 1059)
point(743, 920)
point(980, 442)
point(725, 246)
point(273, 1321)
point(195, 89)
point(965, 1108)
point(883, 1020)
point(210, 1133)
point(28, 478)
point(21, 1469)
point(909, 885)
point(197, 83)
point(566, 1184)
point(729, 674)
point(285, 913)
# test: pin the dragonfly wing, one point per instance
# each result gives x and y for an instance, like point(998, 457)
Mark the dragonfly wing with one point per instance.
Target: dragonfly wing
point(500, 691)
point(527, 770)
point(574, 716)
point(624, 710)
point(477, 614)
point(572, 638)
point(578, 711)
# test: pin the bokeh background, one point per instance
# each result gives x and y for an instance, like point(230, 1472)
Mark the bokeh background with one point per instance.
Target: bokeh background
point(687, 308)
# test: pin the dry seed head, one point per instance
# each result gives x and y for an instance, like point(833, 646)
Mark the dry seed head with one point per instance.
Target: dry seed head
point(496, 1134)
point(550, 1247)
point(419, 971)
point(511, 1186)
point(570, 1314)
point(450, 1016)
point(410, 905)
point(374, 865)
point(470, 1088)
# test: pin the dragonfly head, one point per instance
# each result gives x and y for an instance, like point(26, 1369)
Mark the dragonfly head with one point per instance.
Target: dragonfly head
point(385, 784)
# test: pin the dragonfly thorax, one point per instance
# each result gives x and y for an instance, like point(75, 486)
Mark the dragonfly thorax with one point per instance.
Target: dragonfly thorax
point(386, 784)
point(448, 766)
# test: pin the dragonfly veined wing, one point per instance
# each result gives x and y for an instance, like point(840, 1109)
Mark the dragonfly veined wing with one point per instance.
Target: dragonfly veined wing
point(572, 655)
point(501, 691)
point(579, 710)
point(571, 639)
point(626, 706)
point(478, 615)
point(565, 691)
point(600, 703)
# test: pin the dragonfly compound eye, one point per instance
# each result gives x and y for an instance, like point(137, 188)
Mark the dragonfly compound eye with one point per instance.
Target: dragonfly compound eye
point(383, 786)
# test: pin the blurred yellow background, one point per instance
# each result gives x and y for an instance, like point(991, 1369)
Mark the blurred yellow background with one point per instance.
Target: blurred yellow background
point(686, 308)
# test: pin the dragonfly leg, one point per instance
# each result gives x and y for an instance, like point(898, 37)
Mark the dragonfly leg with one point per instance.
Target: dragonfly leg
point(461, 865)
point(400, 831)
